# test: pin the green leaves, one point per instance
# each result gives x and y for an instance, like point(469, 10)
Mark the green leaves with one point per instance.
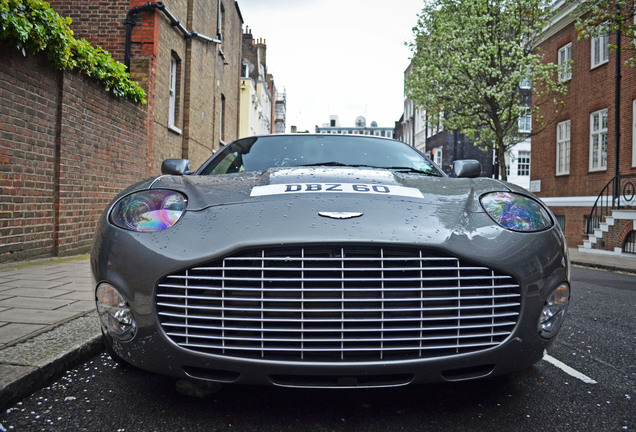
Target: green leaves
point(470, 57)
point(601, 17)
point(33, 27)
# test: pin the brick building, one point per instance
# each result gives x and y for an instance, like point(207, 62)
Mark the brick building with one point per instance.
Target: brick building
point(574, 159)
point(67, 146)
point(424, 131)
point(186, 54)
point(257, 89)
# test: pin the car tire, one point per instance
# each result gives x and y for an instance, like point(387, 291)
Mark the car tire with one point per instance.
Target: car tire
point(112, 354)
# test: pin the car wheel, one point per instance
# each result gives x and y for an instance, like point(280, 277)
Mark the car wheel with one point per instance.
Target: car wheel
point(112, 354)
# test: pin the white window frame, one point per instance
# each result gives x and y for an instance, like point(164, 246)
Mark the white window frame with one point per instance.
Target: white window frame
point(599, 50)
point(172, 97)
point(565, 62)
point(598, 140)
point(563, 133)
point(438, 156)
point(523, 163)
point(525, 120)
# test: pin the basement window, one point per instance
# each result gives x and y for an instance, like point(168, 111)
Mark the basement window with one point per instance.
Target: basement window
point(630, 243)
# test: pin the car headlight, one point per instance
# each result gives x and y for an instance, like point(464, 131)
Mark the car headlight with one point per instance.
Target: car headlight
point(148, 211)
point(554, 311)
point(114, 313)
point(516, 212)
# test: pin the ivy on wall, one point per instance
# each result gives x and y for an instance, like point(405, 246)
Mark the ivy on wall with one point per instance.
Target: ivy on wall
point(33, 27)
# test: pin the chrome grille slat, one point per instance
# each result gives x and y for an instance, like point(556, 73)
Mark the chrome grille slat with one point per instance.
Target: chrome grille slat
point(323, 320)
point(327, 300)
point(332, 304)
point(326, 329)
point(384, 349)
point(329, 340)
point(352, 289)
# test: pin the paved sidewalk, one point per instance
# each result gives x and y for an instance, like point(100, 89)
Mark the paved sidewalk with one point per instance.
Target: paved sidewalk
point(48, 322)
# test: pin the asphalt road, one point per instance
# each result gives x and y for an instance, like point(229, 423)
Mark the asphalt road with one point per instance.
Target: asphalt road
point(586, 384)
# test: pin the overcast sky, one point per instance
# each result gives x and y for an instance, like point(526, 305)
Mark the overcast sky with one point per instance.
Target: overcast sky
point(336, 57)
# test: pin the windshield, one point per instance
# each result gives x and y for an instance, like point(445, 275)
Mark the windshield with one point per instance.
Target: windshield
point(262, 153)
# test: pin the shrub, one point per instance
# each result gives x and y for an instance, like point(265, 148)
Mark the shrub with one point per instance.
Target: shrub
point(33, 27)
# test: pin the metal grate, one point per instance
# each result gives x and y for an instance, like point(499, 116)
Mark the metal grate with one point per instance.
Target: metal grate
point(335, 304)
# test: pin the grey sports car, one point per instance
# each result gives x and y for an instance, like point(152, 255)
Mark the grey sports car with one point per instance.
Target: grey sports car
point(328, 261)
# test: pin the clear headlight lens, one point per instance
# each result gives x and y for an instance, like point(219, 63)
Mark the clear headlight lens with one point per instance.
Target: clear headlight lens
point(516, 212)
point(554, 311)
point(114, 313)
point(148, 211)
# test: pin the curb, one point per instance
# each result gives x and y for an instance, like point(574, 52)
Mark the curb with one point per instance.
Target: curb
point(32, 364)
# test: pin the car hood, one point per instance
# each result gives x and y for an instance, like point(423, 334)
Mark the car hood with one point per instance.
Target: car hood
point(224, 215)
point(325, 183)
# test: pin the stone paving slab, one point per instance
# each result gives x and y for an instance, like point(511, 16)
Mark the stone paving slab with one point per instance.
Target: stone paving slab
point(41, 292)
point(34, 303)
point(35, 316)
point(11, 332)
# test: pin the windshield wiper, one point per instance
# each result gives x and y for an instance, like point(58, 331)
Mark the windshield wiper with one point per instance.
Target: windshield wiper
point(333, 163)
point(414, 171)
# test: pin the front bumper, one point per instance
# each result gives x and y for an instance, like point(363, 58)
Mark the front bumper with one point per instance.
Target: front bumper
point(136, 262)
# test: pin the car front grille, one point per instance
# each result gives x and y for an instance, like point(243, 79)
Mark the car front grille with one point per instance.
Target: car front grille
point(337, 304)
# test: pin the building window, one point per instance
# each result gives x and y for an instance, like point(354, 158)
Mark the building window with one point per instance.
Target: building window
point(525, 120)
point(437, 156)
point(526, 82)
point(592, 224)
point(523, 163)
point(561, 221)
point(565, 63)
point(600, 50)
point(222, 120)
point(173, 100)
point(598, 140)
point(630, 243)
point(221, 23)
point(563, 148)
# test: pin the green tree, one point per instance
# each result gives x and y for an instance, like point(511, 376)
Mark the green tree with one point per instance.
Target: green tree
point(601, 17)
point(469, 59)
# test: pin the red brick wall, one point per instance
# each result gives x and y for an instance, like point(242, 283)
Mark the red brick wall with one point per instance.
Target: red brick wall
point(101, 22)
point(589, 90)
point(29, 93)
point(66, 148)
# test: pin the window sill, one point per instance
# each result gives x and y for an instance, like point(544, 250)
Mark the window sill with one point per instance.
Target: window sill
point(174, 129)
point(596, 170)
point(592, 67)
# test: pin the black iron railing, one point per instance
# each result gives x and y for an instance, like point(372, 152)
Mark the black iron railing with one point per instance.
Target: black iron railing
point(618, 193)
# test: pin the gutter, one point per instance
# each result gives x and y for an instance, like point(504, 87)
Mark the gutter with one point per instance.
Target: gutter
point(174, 22)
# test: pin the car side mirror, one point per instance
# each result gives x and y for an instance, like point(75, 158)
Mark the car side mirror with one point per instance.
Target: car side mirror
point(175, 167)
point(469, 168)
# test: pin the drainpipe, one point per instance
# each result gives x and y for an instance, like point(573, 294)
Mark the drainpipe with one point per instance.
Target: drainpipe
point(617, 117)
point(174, 22)
point(130, 22)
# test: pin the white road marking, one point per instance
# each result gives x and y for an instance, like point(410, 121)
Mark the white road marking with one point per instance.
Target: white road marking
point(567, 369)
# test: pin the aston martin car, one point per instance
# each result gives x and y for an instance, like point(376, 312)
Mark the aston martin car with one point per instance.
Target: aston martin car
point(328, 261)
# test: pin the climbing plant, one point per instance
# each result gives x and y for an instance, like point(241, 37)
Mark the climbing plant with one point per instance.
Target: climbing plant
point(33, 27)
